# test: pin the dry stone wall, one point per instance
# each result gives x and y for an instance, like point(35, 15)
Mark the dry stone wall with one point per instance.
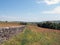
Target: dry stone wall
point(7, 32)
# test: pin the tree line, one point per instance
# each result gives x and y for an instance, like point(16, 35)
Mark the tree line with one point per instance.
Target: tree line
point(49, 25)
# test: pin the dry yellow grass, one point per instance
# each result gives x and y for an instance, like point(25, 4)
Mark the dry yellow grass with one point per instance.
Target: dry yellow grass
point(33, 35)
point(44, 30)
point(9, 24)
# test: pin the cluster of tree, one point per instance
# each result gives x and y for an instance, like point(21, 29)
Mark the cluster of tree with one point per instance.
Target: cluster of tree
point(49, 25)
point(23, 23)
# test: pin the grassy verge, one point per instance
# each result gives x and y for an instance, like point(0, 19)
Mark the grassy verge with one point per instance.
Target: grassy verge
point(28, 37)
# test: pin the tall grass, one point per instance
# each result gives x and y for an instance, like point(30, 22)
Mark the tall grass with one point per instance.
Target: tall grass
point(29, 37)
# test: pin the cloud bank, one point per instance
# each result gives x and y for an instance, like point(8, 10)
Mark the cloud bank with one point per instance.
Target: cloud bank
point(48, 2)
point(54, 11)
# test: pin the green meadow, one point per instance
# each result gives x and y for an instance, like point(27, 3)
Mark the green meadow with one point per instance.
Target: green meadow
point(29, 37)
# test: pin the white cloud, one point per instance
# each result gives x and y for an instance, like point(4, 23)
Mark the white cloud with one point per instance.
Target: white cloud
point(54, 11)
point(48, 2)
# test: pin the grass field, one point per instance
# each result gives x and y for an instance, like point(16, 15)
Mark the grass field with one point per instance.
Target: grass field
point(33, 35)
point(8, 24)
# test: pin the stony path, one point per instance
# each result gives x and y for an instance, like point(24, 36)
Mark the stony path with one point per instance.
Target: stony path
point(7, 32)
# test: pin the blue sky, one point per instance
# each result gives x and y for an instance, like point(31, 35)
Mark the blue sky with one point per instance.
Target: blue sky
point(29, 10)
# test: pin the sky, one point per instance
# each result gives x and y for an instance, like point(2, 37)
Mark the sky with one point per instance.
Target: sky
point(29, 10)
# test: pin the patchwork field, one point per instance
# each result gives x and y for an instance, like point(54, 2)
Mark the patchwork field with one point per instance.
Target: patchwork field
point(33, 35)
point(8, 24)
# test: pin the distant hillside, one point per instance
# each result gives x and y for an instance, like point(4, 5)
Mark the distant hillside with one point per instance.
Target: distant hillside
point(56, 21)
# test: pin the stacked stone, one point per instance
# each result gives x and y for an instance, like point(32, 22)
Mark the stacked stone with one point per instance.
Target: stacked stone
point(7, 32)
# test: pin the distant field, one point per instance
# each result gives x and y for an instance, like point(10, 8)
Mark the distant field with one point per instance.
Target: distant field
point(8, 24)
point(34, 35)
